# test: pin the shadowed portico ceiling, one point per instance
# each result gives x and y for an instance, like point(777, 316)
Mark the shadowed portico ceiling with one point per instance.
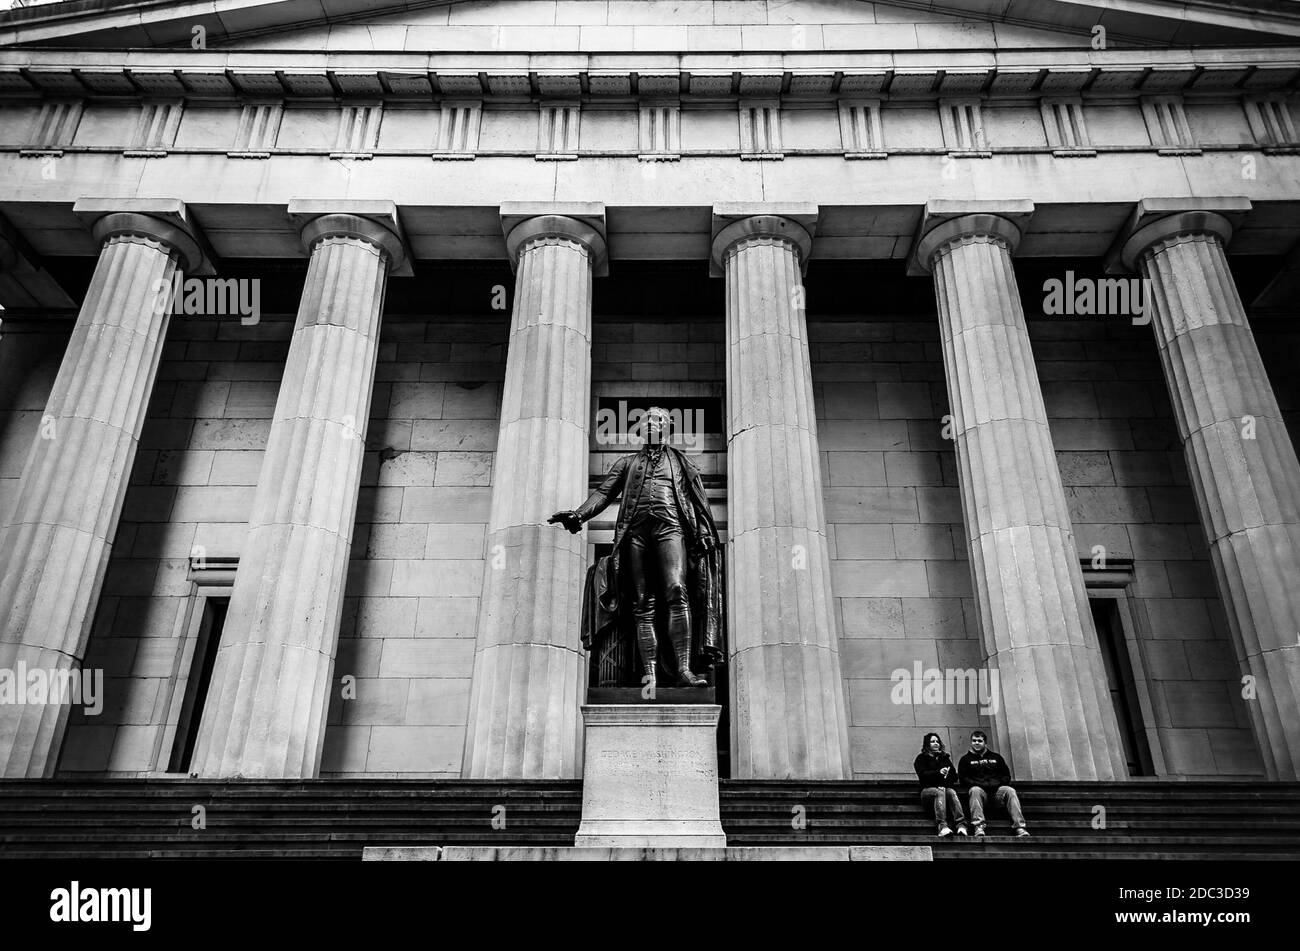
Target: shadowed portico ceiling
point(156, 23)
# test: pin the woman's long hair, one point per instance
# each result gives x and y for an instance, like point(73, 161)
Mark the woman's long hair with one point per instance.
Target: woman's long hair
point(925, 744)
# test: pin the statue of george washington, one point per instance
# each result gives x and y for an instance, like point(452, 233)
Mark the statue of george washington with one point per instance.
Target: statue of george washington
point(665, 547)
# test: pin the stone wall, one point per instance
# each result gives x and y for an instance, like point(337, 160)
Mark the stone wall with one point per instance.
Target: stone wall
point(411, 609)
point(901, 577)
point(899, 573)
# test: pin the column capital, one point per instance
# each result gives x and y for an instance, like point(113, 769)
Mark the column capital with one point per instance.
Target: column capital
point(943, 219)
point(583, 222)
point(372, 221)
point(796, 222)
point(166, 220)
point(1154, 219)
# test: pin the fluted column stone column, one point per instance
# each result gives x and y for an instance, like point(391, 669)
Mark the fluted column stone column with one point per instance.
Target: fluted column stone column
point(269, 694)
point(529, 661)
point(55, 544)
point(787, 698)
point(1240, 459)
point(1055, 718)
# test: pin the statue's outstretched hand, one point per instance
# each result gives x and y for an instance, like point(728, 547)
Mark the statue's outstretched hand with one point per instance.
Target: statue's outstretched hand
point(568, 519)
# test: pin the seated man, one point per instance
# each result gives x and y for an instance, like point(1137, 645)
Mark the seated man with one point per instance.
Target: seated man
point(986, 774)
point(938, 778)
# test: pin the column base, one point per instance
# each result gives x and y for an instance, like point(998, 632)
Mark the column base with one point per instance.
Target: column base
point(650, 777)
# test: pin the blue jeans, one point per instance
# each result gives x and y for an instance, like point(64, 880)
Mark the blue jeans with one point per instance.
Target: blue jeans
point(935, 799)
point(1005, 797)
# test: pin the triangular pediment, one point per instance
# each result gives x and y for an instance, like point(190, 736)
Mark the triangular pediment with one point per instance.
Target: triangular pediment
point(679, 26)
point(669, 26)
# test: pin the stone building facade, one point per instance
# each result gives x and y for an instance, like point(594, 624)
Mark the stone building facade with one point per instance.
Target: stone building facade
point(306, 537)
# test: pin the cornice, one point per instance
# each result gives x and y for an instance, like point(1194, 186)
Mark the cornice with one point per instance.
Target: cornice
point(423, 76)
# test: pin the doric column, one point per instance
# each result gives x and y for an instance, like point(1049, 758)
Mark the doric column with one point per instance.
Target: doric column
point(1055, 717)
point(1240, 459)
point(266, 706)
point(787, 699)
point(54, 548)
point(528, 662)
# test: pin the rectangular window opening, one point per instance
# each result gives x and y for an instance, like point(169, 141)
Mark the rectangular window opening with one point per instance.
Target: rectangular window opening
point(196, 691)
point(1123, 687)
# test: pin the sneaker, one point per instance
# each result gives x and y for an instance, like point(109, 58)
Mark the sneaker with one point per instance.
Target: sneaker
point(944, 831)
point(961, 830)
point(1021, 833)
point(979, 833)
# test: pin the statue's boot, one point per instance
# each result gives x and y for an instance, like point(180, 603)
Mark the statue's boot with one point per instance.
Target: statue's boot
point(688, 678)
point(646, 647)
point(682, 648)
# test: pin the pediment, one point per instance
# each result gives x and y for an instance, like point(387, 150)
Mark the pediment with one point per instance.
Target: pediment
point(678, 26)
point(667, 26)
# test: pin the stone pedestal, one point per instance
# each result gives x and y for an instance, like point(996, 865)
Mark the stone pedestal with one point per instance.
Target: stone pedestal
point(1240, 459)
point(266, 707)
point(1056, 719)
point(788, 713)
point(528, 660)
point(650, 777)
point(55, 545)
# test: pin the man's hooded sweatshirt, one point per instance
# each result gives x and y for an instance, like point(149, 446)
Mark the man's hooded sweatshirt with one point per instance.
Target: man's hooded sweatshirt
point(987, 769)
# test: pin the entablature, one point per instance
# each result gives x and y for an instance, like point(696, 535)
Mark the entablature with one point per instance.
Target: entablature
point(208, 74)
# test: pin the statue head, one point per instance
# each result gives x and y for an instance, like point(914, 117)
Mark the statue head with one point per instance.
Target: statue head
point(658, 423)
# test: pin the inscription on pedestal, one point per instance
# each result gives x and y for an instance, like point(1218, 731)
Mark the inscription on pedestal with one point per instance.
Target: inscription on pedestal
point(650, 777)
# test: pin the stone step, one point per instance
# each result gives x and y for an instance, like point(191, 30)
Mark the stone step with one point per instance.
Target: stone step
point(1123, 793)
point(272, 794)
point(777, 821)
point(336, 819)
point(1092, 841)
point(98, 807)
point(913, 804)
point(866, 823)
point(1125, 856)
point(487, 836)
point(1173, 828)
point(222, 819)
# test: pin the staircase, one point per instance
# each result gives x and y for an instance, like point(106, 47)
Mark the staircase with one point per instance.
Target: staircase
point(246, 819)
point(335, 819)
point(1167, 820)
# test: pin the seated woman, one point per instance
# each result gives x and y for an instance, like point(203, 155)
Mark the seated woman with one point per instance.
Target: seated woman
point(938, 778)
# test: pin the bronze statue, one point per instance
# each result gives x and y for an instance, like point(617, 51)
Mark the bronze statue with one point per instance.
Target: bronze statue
point(665, 547)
